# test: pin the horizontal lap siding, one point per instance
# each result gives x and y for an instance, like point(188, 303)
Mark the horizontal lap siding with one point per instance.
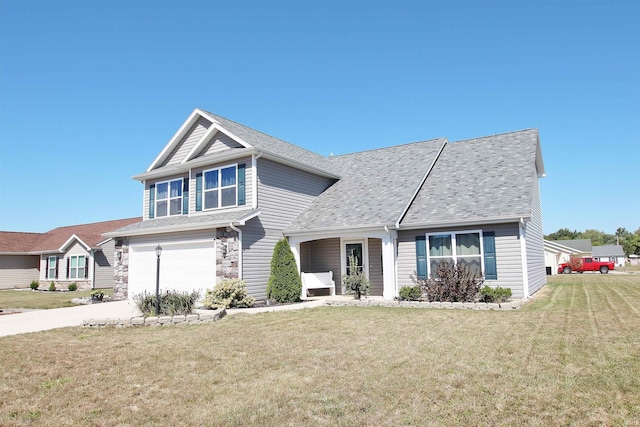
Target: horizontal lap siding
point(18, 271)
point(283, 193)
point(508, 258)
point(535, 244)
point(375, 266)
point(220, 142)
point(103, 263)
point(187, 142)
point(324, 255)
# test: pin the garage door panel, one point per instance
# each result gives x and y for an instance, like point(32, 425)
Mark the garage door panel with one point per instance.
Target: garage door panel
point(184, 266)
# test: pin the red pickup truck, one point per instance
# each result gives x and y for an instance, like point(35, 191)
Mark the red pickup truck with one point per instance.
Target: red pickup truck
point(585, 264)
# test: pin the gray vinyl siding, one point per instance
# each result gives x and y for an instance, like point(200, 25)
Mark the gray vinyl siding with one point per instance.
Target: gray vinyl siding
point(284, 192)
point(375, 266)
point(220, 142)
point(18, 271)
point(508, 255)
point(187, 142)
point(318, 256)
point(104, 265)
point(535, 243)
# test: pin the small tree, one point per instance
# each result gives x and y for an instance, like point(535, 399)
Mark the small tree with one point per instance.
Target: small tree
point(356, 282)
point(284, 282)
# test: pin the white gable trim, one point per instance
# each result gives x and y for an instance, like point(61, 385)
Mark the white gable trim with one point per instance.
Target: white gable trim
point(68, 242)
point(213, 130)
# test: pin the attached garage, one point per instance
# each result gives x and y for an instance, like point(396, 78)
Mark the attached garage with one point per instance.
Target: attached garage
point(186, 264)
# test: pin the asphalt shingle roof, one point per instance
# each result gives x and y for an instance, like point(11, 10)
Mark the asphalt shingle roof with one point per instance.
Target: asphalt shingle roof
point(375, 187)
point(478, 179)
point(580, 245)
point(607, 250)
point(90, 234)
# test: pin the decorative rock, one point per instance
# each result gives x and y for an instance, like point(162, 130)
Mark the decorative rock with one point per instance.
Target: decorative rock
point(152, 320)
point(137, 320)
point(178, 319)
point(493, 306)
point(164, 319)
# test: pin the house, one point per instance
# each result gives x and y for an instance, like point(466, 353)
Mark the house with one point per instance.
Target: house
point(581, 247)
point(219, 195)
point(612, 253)
point(64, 255)
point(556, 254)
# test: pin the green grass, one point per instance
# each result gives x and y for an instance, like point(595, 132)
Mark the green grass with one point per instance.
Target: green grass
point(570, 357)
point(40, 299)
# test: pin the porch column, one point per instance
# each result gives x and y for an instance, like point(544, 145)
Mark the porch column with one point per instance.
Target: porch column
point(294, 244)
point(389, 265)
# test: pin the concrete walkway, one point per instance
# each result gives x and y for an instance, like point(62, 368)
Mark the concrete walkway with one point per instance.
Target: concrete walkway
point(43, 320)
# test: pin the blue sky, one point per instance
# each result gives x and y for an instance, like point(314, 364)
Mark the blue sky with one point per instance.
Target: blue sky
point(90, 92)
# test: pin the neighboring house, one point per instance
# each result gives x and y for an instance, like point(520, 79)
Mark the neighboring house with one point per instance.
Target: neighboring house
point(220, 195)
point(64, 255)
point(581, 247)
point(556, 254)
point(613, 253)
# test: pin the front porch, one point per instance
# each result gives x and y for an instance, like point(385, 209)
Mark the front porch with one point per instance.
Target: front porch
point(375, 253)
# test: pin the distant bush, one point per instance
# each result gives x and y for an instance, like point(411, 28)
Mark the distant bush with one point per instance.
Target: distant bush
point(73, 287)
point(171, 302)
point(489, 294)
point(284, 282)
point(52, 286)
point(410, 293)
point(454, 283)
point(34, 285)
point(228, 294)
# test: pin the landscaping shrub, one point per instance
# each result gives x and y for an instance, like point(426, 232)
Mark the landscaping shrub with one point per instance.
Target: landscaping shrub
point(34, 285)
point(410, 293)
point(454, 283)
point(356, 281)
point(489, 294)
point(73, 287)
point(284, 282)
point(52, 286)
point(228, 293)
point(171, 302)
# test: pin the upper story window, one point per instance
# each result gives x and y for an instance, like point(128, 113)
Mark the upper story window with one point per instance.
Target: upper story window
point(169, 198)
point(221, 187)
point(77, 267)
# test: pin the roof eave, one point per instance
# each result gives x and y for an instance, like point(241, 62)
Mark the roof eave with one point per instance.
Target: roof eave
point(465, 222)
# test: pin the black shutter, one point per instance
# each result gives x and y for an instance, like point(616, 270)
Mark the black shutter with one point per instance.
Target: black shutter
point(86, 267)
point(57, 264)
point(47, 270)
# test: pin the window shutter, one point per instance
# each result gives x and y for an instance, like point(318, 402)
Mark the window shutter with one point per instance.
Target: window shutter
point(86, 267)
point(47, 270)
point(152, 201)
point(198, 191)
point(57, 264)
point(241, 184)
point(421, 257)
point(489, 243)
point(185, 196)
point(68, 266)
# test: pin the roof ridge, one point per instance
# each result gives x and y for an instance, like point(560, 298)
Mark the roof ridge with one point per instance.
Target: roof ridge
point(496, 134)
point(22, 232)
point(262, 133)
point(390, 146)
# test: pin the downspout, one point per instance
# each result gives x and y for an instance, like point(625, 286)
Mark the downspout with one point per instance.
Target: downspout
point(254, 179)
point(239, 231)
point(523, 256)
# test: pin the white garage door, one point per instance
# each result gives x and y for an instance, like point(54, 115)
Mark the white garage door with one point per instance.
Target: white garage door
point(184, 266)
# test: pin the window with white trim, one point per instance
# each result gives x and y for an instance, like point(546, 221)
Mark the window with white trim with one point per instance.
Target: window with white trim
point(77, 267)
point(169, 198)
point(221, 187)
point(52, 265)
point(454, 247)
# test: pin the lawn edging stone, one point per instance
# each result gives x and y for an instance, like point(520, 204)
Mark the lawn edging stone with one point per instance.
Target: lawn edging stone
point(178, 319)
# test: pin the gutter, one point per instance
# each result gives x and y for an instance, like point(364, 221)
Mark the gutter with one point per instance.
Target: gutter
point(417, 190)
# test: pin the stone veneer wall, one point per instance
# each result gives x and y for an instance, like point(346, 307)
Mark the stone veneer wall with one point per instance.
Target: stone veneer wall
point(121, 270)
point(227, 267)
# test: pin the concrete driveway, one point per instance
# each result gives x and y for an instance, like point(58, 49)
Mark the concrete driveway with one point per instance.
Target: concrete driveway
point(43, 320)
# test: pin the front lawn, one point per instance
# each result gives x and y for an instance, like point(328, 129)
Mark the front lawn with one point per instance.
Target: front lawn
point(570, 357)
point(26, 298)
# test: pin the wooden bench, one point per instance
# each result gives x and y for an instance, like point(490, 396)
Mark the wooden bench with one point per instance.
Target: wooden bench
point(322, 280)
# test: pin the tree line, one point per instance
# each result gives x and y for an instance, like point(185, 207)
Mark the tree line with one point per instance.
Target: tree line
point(630, 241)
